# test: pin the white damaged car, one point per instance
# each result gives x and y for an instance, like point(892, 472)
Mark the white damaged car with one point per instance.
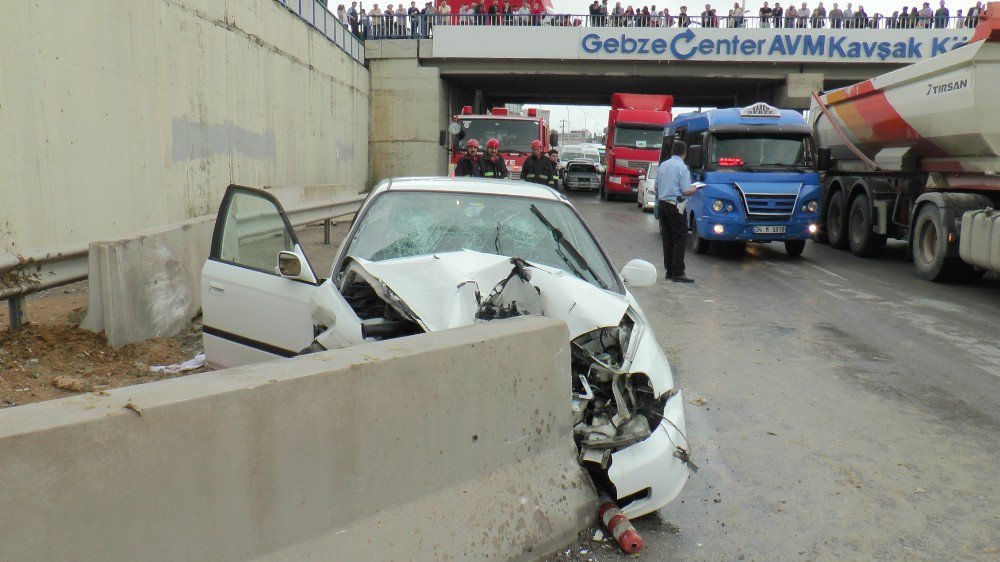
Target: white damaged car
point(428, 254)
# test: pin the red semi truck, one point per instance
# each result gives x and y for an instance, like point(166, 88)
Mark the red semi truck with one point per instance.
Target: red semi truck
point(514, 131)
point(634, 139)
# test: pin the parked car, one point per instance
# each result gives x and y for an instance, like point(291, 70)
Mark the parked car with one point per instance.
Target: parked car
point(570, 153)
point(581, 174)
point(647, 189)
point(428, 254)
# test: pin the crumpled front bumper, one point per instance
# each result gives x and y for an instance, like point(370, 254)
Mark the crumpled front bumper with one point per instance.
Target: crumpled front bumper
point(651, 464)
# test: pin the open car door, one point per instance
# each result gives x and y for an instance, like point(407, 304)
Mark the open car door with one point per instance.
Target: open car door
point(257, 284)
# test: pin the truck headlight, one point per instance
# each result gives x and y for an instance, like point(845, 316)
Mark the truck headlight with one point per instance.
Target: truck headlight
point(615, 179)
point(718, 205)
point(810, 207)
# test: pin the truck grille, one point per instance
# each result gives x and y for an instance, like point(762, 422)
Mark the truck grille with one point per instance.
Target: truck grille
point(641, 165)
point(769, 206)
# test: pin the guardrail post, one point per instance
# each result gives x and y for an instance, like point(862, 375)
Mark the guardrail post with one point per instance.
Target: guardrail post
point(15, 313)
point(326, 232)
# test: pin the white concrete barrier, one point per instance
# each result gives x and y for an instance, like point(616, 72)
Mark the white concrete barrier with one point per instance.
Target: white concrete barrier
point(452, 445)
point(147, 285)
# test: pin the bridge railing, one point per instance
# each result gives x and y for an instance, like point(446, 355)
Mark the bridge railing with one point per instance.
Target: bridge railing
point(396, 26)
point(337, 31)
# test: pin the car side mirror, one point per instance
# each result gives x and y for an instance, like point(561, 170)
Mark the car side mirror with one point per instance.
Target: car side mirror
point(554, 138)
point(694, 158)
point(290, 267)
point(639, 273)
point(823, 157)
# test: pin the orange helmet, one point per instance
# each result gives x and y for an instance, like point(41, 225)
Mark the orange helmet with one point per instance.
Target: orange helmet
point(493, 143)
point(536, 144)
point(472, 143)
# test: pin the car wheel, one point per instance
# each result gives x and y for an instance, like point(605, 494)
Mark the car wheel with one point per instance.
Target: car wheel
point(794, 248)
point(698, 244)
point(835, 213)
point(862, 239)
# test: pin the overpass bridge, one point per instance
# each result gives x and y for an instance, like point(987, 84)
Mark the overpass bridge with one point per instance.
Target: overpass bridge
point(417, 84)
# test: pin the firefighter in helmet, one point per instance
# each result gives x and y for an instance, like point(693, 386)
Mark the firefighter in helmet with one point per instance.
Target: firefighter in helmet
point(470, 164)
point(492, 164)
point(537, 167)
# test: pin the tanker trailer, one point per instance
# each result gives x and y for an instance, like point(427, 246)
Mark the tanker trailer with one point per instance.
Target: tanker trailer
point(915, 155)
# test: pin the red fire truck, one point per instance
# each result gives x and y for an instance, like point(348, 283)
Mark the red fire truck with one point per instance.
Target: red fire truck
point(514, 131)
point(634, 139)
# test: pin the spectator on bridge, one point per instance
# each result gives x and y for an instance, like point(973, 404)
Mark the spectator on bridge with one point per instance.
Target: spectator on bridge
point(388, 20)
point(414, 14)
point(342, 14)
point(972, 16)
point(706, 16)
point(861, 18)
point(595, 14)
point(791, 16)
point(765, 15)
point(604, 13)
point(523, 15)
point(941, 17)
point(352, 19)
point(959, 20)
point(819, 16)
point(926, 16)
point(493, 165)
point(444, 14)
point(803, 19)
point(493, 12)
point(470, 164)
point(849, 16)
point(683, 19)
point(735, 16)
point(375, 19)
point(836, 16)
point(507, 13)
point(429, 17)
point(778, 14)
point(914, 18)
point(629, 17)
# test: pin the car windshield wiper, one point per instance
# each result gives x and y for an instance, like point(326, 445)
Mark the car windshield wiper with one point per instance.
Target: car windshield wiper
point(569, 247)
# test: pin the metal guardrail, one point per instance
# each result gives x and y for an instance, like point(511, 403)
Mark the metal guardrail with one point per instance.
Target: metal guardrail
point(319, 17)
point(422, 26)
point(24, 273)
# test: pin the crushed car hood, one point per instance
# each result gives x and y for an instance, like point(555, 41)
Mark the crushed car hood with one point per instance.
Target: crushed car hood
point(440, 289)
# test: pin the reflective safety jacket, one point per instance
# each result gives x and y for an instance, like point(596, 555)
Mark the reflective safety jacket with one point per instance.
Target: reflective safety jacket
point(494, 168)
point(538, 170)
point(467, 166)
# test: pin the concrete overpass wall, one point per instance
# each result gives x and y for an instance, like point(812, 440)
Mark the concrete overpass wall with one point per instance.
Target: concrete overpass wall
point(117, 116)
point(453, 445)
point(409, 107)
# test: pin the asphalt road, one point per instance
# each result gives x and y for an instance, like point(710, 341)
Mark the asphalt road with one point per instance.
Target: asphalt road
point(851, 411)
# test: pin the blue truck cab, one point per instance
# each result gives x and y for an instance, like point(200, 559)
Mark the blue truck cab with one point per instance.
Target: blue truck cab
point(759, 170)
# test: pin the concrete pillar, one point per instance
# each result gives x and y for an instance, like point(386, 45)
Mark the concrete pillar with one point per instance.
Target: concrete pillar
point(798, 89)
point(409, 107)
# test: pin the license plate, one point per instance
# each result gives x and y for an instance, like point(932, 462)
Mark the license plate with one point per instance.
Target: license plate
point(769, 230)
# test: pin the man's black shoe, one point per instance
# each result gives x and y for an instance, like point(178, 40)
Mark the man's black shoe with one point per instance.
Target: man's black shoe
point(681, 279)
point(669, 275)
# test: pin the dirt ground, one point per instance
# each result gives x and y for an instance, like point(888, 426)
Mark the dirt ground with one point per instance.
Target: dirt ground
point(53, 358)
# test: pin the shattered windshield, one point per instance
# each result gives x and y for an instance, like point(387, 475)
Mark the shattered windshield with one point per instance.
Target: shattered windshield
point(410, 223)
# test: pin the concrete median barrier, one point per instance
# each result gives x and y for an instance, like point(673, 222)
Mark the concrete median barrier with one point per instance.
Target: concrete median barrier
point(451, 445)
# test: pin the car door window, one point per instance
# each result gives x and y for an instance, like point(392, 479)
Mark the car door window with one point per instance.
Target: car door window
point(252, 232)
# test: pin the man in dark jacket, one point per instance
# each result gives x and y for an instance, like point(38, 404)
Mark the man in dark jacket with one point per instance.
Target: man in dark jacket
point(493, 165)
point(537, 167)
point(471, 164)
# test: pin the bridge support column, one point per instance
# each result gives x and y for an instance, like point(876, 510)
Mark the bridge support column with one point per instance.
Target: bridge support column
point(409, 106)
point(798, 88)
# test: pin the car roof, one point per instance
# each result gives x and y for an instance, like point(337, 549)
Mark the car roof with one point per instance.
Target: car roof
point(469, 185)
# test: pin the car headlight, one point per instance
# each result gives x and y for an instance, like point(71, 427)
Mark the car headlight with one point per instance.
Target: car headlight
point(811, 207)
point(718, 205)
